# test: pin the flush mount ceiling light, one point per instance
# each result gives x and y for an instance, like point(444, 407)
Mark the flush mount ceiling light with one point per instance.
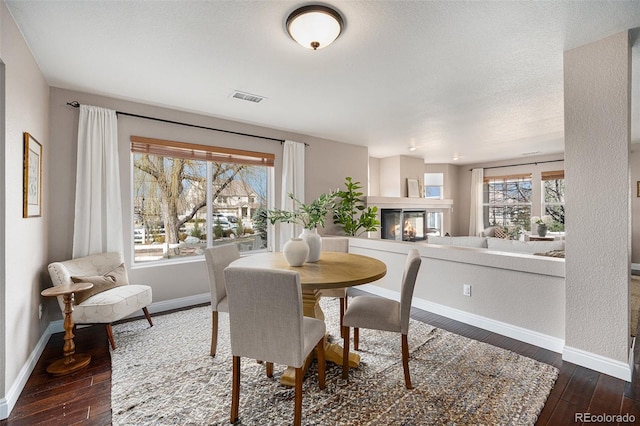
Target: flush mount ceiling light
point(314, 26)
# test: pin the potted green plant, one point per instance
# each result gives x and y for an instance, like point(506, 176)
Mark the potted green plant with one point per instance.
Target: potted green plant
point(350, 210)
point(309, 216)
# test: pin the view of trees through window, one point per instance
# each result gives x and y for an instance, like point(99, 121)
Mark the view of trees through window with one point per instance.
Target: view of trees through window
point(507, 202)
point(170, 206)
point(554, 203)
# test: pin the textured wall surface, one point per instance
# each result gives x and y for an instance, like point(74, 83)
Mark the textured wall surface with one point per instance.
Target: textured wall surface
point(597, 102)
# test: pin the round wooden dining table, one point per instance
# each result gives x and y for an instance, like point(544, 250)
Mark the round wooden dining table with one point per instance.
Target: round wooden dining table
point(333, 270)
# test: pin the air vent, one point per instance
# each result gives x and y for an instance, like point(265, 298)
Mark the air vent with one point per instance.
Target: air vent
point(531, 153)
point(247, 97)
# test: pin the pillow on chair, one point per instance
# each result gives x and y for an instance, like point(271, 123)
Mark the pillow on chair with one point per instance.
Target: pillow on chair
point(114, 278)
point(500, 233)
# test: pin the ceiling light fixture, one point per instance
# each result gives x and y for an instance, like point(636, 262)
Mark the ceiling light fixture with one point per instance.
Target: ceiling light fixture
point(412, 148)
point(314, 26)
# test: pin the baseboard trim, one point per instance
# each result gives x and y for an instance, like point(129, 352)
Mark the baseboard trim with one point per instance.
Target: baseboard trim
point(7, 403)
point(168, 305)
point(519, 333)
point(611, 367)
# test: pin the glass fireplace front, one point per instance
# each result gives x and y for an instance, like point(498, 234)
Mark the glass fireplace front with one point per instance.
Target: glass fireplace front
point(403, 225)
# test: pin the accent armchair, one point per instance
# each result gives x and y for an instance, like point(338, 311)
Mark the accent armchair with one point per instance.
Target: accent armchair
point(111, 298)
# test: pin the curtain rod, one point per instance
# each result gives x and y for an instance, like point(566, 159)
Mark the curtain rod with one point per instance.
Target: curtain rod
point(521, 164)
point(76, 104)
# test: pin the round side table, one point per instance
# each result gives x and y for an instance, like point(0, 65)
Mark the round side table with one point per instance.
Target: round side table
point(71, 361)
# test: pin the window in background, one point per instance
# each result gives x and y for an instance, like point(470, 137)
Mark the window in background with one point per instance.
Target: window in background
point(187, 197)
point(553, 204)
point(434, 185)
point(507, 202)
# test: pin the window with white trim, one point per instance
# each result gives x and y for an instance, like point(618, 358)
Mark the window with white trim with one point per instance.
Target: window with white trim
point(434, 186)
point(507, 202)
point(187, 197)
point(553, 201)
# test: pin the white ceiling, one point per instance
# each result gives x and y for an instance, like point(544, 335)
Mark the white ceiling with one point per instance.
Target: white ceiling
point(482, 80)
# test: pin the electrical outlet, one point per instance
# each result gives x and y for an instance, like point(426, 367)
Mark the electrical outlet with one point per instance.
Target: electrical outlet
point(466, 289)
point(40, 311)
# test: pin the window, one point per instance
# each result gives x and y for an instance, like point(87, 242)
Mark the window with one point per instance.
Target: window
point(433, 185)
point(507, 202)
point(187, 197)
point(553, 205)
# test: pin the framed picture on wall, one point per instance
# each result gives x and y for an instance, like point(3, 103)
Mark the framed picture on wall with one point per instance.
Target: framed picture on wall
point(32, 186)
point(413, 188)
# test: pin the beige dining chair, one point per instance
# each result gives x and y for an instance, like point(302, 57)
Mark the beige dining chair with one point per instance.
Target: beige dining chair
point(266, 322)
point(218, 258)
point(336, 244)
point(379, 313)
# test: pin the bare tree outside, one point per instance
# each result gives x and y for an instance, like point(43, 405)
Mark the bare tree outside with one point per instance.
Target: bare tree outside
point(554, 202)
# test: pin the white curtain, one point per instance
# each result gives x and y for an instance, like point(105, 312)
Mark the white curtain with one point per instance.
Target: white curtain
point(292, 182)
point(476, 219)
point(98, 211)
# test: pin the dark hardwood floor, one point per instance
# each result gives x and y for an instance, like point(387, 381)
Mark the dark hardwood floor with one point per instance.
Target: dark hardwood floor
point(84, 397)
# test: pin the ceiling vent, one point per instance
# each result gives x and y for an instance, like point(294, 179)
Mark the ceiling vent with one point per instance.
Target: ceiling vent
point(247, 97)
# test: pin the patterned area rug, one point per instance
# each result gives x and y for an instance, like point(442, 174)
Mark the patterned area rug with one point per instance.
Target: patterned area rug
point(164, 376)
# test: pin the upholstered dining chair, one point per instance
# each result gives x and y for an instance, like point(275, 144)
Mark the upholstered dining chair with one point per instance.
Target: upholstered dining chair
point(379, 313)
point(266, 322)
point(111, 298)
point(336, 244)
point(218, 258)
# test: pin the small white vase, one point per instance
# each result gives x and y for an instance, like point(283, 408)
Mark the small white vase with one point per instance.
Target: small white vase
point(314, 241)
point(295, 251)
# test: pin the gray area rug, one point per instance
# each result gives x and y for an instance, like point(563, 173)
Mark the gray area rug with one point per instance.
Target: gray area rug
point(164, 376)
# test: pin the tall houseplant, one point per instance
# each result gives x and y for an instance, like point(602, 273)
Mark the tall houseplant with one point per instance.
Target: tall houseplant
point(351, 212)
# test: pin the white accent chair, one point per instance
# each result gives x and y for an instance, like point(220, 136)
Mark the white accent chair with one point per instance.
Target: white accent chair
point(107, 306)
point(336, 244)
point(379, 313)
point(266, 322)
point(218, 258)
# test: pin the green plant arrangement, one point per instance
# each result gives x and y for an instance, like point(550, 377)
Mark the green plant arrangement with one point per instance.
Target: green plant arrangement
point(350, 211)
point(309, 216)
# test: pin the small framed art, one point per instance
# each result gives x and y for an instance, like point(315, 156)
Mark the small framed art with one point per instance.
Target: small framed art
point(32, 186)
point(413, 188)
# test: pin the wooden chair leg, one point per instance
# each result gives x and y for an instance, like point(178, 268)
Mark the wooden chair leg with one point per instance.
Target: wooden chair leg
point(235, 389)
point(405, 361)
point(321, 363)
point(356, 339)
point(269, 369)
point(146, 314)
point(110, 336)
point(345, 353)
point(297, 413)
point(214, 332)
point(343, 307)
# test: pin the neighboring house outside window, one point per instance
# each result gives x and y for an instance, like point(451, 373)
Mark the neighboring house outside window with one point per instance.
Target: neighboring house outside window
point(188, 197)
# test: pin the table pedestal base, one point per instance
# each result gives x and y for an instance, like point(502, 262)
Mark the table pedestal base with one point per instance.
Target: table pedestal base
point(60, 367)
point(332, 351)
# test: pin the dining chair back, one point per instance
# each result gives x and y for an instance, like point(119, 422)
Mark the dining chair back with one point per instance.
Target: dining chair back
point(218, 258)
point(267, 323)
point(379, 313)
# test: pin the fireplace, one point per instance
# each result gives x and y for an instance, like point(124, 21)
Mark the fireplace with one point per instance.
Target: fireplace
point(403, 225)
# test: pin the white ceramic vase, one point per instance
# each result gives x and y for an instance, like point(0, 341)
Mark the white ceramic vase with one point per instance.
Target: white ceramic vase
point(295, 251)
point(314, 241)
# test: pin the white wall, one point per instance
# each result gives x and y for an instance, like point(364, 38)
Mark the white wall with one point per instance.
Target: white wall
point(597, 133)
point(25, 240)
point(327, 163)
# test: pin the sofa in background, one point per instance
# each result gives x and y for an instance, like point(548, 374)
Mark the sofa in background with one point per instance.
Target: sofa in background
point(500, 244)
